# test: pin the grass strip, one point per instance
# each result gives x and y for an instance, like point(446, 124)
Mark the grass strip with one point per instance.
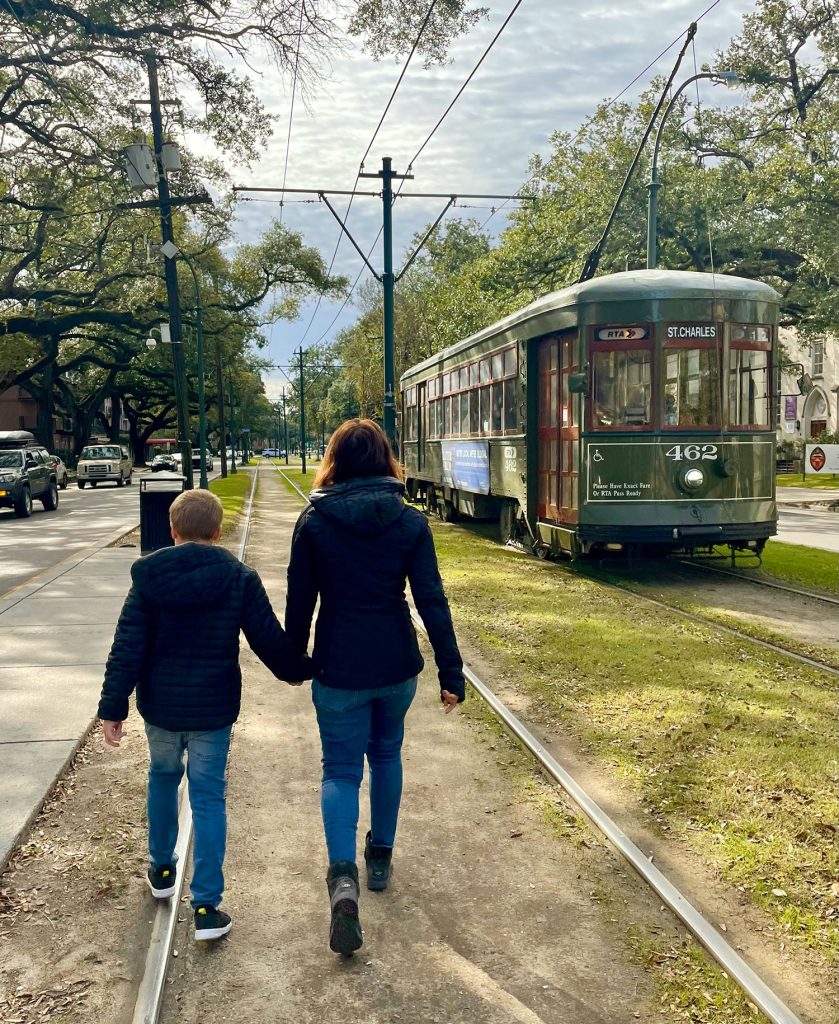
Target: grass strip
point(729, 748)
point(233, 492)
point(801, 566)
point(810, 482)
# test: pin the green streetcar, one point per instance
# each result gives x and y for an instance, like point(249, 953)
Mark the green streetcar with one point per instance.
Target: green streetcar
point(634, 411)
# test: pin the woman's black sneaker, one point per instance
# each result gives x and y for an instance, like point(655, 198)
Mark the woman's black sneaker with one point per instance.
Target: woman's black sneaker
point(161, 880)
point(211, 923)
point(379, 867)
point(345, 934)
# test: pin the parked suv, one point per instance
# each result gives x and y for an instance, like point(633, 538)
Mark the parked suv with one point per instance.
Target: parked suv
point(104, 461)
point(26, 473)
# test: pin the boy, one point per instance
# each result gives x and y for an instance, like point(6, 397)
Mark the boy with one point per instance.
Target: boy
point(177, 641)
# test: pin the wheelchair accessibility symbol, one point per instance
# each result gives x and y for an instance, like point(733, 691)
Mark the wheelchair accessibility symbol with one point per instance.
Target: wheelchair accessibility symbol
point(597, 457)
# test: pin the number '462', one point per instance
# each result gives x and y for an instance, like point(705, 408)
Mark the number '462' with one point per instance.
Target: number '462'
point(692, 452)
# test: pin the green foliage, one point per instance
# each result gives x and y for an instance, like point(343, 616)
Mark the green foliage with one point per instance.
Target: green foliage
point(390, 27)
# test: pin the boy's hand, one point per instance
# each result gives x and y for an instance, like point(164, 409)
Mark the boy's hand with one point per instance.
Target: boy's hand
point(449, 701)
point(112, 733)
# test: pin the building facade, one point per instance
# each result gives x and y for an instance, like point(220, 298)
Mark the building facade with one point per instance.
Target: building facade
point(803, 417)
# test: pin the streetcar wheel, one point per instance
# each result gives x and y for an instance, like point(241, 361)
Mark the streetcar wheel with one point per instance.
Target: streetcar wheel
point(542, 551)
point(448, 513)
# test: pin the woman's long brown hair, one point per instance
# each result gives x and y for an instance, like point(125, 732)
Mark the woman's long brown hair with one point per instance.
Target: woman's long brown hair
point(358, 448)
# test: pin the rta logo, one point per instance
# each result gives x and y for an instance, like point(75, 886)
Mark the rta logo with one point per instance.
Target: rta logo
point(817, 459)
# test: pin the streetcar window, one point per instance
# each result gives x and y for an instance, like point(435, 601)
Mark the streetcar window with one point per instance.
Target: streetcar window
point(456, 415)
point(473, 374)
point(475, 413)
point(498, 366)
point(498, 406)
point(748, 387)
point(621, 388)
point(511, 418)
point(509, 362)
point(447, 413)
point(464, 377)
point(485, 374)
point(691, 388)
point(485, 403)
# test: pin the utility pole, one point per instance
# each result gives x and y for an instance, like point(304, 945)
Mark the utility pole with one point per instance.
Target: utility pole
point(302, 414)
point(232, 430)
point(285, 427)
point(220, 394)
point(387, 278)
point(170, 253)
point(388, 284)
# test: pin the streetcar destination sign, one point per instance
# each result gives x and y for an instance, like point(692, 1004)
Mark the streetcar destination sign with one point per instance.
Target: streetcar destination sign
point(699, 331)
point(622, 333)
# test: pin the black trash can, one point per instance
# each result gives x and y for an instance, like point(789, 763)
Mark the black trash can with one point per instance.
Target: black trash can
point(157, 492)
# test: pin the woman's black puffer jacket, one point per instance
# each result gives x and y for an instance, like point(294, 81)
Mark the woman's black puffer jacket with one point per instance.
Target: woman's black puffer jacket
point(354, 547)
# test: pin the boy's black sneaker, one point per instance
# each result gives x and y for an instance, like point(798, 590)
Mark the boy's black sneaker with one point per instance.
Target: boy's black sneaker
point(161, 880)
point(345, 934)
point(211, 923)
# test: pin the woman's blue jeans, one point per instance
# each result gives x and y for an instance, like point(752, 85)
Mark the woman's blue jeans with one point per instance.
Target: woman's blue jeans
point(206, 777)
point(353, 723)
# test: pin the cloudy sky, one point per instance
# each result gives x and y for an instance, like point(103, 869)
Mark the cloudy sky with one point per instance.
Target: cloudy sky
point(552, 65)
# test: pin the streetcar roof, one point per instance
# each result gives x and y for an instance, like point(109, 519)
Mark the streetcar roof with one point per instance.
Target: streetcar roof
point(632, 285)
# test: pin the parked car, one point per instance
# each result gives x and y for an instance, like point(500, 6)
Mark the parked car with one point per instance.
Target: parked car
point(269, 453)
point(26, 473)
point(104, 461)
point(60, 471)
point(165, 461)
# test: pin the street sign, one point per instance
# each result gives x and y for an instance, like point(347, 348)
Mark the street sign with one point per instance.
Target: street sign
point(821, 458)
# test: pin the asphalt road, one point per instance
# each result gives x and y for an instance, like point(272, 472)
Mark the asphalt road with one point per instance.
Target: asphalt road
point(815, 528)
point(28, 546)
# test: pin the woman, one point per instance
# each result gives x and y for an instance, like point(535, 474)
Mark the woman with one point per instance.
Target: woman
point(354, 547)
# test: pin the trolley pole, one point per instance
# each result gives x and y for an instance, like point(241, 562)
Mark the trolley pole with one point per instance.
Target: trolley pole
point(302, 414)
point(170, 253)
point(388, 283)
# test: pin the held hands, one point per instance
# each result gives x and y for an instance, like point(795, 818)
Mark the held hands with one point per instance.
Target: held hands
point(449, 701)
point(112, 733)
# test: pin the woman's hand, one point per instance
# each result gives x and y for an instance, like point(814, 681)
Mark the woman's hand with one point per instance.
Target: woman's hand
point(449, 701)
point(112, 733)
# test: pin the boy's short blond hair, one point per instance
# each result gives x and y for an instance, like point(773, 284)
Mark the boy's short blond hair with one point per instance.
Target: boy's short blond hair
point(196, 515)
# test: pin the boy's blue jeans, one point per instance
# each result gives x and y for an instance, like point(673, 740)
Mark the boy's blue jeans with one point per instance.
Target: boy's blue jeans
point(206, 777)
point(353, 723)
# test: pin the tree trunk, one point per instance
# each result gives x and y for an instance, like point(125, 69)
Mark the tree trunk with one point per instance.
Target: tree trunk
point(116, 416)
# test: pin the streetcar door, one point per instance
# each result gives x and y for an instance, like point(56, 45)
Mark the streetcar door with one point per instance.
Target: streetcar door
point(569, 431)
point(422, 424)
point(547, 495)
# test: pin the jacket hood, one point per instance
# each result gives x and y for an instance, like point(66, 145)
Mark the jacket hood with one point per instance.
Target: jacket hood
point(366, 505)
point(188, 575)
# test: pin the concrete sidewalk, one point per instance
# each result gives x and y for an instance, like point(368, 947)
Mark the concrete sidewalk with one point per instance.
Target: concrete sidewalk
point(55, 634)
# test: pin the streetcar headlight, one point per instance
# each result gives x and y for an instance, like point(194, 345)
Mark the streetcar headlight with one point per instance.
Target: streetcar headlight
point(692, 479)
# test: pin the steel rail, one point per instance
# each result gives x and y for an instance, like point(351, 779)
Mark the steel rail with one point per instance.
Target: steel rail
point(150, 993)
point(761, 583)
point(702, 620)
point(705, 933)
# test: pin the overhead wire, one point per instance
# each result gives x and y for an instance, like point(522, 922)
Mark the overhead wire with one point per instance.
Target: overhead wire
point(609, 103)
point(358, 175)
point(288, 145)
point(469, 78)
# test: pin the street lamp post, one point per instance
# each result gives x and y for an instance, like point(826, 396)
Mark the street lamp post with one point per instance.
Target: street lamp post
point(285, 427)
point(730, 78)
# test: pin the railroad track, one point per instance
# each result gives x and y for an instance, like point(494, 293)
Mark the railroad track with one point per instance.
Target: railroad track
point(150, 993)
point(811, 594)
point(702, 930)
